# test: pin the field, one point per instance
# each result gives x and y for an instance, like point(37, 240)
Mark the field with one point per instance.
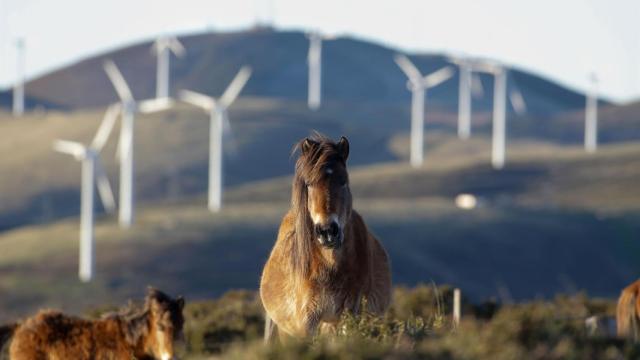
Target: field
point(554, 221)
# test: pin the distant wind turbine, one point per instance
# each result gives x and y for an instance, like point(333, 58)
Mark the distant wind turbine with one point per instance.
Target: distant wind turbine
point(92, 172)
point(217, 109)
point(418, 86)
point(498, 144)
point(163, 47)
point(18, 88)
point(591, 117)
point(129, 108)
point(470, 84)
point(314, 61)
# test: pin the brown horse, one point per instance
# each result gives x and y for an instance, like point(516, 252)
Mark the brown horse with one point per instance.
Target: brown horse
point(324, 260)
point(628, 312)
point(147, 334)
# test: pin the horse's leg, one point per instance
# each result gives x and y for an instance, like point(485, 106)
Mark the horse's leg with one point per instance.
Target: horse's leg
point(270, 329)
point(328, 329)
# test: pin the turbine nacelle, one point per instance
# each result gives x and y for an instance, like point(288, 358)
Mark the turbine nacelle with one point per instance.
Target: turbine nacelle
point(168, 42)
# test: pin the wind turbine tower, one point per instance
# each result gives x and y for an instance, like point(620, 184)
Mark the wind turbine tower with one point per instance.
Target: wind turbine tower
point(218, 117)
point(591, 117)
point(18, 88)
point(499, 126)
point(418, 85)
point(163, 47)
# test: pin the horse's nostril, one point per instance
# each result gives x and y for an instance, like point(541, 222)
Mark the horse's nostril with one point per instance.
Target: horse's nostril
point(334, 229)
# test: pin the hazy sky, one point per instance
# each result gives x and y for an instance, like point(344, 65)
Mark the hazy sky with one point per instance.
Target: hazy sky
point(562, 39)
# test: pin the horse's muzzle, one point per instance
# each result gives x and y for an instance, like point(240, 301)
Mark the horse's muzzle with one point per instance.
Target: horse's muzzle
point(329, 236)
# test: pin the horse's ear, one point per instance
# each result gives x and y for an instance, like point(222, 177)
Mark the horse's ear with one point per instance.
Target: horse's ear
point(180, 301)
point(343, 148)
point(307, 145)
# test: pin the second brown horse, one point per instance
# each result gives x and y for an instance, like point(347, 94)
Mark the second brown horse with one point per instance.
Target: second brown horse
point(324, 260)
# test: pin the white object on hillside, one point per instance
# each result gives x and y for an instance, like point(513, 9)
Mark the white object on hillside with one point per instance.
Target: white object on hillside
point(163, 47)
point(418, 86)
point(219, 119)
point(125, 149)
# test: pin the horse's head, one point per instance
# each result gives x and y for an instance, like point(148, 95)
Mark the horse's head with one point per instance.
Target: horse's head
point(321, 173)
point(166, 322)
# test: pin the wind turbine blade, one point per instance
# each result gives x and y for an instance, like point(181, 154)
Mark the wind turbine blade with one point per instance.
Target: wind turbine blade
point(176, 46)
point(438, 77)
point(407, 67)
point(102, 135)
point(70, 147)
point(197, 99)
point(477, 90)
point(154, 105)
point(104, 187)
point(517, 101)
point(228, 134)
point(233, 90)
point(118, 81)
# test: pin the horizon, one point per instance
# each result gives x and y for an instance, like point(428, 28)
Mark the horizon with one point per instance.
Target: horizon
point(615, 57)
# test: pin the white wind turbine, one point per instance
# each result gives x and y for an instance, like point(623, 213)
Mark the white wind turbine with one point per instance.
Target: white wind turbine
point(418, 86)
point(163, 47)
point(314, 61)
point(129, 108)
point(217, 109)
point(591, 117)
point(499, 129)
point(92, 172)
point(18, 88)
point(469, 85)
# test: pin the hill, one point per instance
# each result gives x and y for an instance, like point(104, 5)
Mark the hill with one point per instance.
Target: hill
point(354, 71)
point(172, 147)
point(541, 229)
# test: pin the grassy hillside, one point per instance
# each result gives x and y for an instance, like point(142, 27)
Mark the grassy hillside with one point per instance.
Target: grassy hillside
point(38, 185)
point(542, 228)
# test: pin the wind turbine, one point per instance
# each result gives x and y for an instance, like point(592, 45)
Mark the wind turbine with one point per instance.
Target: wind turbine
point(217, 109)
point(469, 85)
point(129, 108)
point(591, 117)
point(498, 143)
point(163, 47)
point(418, 85)
point(314, 61)
point(18, 88)
point(92, 172)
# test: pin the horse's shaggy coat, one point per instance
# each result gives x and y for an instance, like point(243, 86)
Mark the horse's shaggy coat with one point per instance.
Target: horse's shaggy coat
point(628, 312)
point(324, 260)
point(148, 334)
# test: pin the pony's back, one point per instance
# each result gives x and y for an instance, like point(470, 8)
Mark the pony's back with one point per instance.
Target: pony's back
point(51, 334)
point(628, 312)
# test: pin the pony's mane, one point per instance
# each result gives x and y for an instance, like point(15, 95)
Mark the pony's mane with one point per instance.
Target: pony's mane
point(309, 170)
point(135, 326)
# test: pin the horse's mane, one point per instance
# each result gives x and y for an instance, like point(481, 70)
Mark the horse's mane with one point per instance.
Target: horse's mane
point(133, 319)
point(309, 170)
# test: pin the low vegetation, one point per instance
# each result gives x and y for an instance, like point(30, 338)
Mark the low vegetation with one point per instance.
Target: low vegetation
point(417, 326)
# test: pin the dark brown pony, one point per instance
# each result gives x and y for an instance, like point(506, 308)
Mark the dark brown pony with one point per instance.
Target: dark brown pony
point(147, 334)
point(628, 312)
point(324, 260)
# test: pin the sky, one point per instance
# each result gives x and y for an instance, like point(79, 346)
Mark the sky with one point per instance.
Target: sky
point(561, 39)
